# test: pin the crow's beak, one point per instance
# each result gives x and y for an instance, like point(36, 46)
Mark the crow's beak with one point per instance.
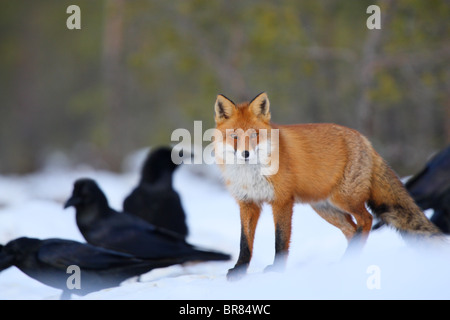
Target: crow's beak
point(72, 202)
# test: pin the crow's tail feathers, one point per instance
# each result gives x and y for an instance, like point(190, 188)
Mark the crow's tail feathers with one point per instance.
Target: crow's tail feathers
point(208, 255)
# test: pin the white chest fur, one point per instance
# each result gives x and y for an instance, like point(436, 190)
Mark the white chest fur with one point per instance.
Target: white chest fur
point(245, 182)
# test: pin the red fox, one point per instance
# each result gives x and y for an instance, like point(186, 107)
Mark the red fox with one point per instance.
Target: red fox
point(333, 168)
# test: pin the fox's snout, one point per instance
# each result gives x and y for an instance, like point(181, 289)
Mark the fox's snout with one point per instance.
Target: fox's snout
point(252, 146)
point(245, 155)
point(244, 146)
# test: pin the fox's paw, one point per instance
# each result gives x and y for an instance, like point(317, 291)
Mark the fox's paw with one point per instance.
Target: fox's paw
point(276, 267)
point(236, 273)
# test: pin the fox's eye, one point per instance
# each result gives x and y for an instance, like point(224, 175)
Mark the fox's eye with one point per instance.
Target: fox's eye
point(234, 135)
point(254, 135)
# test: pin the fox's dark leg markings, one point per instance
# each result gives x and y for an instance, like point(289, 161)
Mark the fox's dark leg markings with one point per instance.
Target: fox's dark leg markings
point(249, 212)
point(282, 214)
point(244, 254)
point(243, 261)
point(281, 250)
point(280, 241)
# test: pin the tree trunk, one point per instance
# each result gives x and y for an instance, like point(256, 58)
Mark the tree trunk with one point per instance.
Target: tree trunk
point(366, 69)
point(113, 72)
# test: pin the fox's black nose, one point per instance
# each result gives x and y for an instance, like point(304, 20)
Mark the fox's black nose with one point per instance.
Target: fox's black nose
point(245, 154)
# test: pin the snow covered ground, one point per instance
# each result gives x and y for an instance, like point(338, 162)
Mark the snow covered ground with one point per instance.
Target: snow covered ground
point(32, 206)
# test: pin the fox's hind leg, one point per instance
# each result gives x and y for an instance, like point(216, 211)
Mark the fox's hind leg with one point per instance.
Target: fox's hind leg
point(363, 220)
point(353, 190)
point(337, 218)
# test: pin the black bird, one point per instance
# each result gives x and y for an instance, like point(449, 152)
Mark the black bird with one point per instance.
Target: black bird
point(48, 260)
point(104, 227)
point(430, 188)
point(154, 199)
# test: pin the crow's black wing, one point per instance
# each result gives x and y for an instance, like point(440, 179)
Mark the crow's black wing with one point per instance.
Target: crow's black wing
point(130, 234)
point(428, 186)
point(61, 253)
point(127, 233)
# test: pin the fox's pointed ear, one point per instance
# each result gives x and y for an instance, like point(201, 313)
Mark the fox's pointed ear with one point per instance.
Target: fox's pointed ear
point(223, 108)
point(260, 106)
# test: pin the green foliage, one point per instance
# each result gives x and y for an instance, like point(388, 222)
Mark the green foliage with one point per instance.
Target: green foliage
point(60, 88)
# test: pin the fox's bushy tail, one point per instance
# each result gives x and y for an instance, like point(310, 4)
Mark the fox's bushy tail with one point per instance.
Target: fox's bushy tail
point(392, 204)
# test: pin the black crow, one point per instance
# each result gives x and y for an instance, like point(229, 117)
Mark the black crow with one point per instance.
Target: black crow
point(430, 188)
point(48, 261)
point(154, 198)
point(104, 227)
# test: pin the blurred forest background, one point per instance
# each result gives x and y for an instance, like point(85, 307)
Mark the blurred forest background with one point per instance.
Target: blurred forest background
point(139, 69)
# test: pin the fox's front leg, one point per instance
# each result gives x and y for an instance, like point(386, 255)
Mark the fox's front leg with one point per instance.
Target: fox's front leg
point(282, 217)
point(249, 218)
